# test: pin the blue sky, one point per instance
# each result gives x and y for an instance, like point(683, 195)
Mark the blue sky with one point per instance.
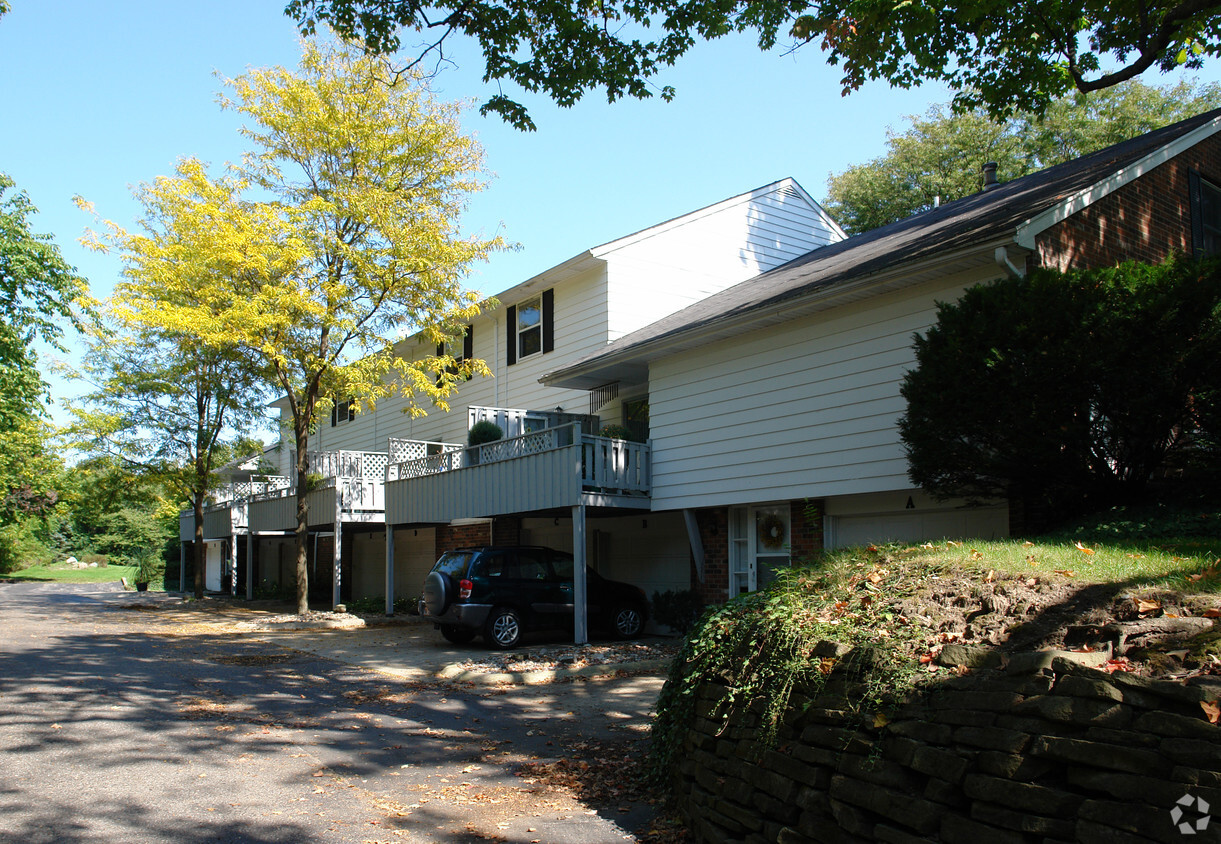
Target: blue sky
point(102, 96)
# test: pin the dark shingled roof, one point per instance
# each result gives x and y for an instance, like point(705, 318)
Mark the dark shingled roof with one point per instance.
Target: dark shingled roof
point(977, 219)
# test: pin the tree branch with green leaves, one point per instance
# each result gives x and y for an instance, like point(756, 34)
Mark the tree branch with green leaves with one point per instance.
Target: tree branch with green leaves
point(1000, 57)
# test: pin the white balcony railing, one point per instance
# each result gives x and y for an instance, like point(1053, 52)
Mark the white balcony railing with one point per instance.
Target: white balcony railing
point(607, 465)
point(245, 490)
point(409, 452)
point(348, 464)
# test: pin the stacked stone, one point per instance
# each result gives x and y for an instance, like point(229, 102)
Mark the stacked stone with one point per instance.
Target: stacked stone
point(1027, 749)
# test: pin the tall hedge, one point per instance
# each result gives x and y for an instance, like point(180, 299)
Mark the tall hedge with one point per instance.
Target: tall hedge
point(1066, 388)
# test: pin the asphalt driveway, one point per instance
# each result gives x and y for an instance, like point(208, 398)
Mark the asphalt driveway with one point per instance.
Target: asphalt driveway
point(128, 719)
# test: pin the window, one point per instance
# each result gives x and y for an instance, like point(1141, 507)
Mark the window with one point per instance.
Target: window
point(563, 568)
point(636, 418)
point(342, 411)
point(1205, 216)
point(458, 351)
point(1210, 214)
point(530, 327)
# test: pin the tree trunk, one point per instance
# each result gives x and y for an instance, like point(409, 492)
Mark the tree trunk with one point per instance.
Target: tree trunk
point(197, 551)
point(302, 440)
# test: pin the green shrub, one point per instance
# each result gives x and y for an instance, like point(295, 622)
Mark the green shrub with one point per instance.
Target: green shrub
point(761, 647)
point(1065, 389)
point(21, 548)
point(376, 605)
point(482, 432)
point(677, 610)
point(270, 590)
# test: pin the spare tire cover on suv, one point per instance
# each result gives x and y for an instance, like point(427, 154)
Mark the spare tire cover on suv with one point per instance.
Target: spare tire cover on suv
point(437, 593)
point(441, 585)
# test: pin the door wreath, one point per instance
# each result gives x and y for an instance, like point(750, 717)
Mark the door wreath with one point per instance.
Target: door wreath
point(771, 531)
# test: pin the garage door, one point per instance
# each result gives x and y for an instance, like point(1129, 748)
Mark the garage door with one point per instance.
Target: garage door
point(415, 550)
point(917, 526)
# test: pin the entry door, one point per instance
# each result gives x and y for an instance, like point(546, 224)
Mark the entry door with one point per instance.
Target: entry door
point(758, 546)
point(212, 566)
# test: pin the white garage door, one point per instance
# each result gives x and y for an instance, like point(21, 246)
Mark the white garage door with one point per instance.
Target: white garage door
point(917, 526)
point(415, 551)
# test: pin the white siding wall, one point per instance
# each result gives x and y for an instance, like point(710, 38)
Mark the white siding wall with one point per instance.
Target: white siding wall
point(649, 276)
point(806, 408)
point(580, 327)
point(667, 271)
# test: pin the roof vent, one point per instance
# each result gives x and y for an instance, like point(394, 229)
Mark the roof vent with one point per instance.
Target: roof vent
point(990, 181)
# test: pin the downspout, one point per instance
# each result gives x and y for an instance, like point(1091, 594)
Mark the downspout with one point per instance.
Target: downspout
point(1005, 262)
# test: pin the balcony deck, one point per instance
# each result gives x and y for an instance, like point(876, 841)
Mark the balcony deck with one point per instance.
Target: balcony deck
point(228, 513)
point(544, 470)
point(351, 488)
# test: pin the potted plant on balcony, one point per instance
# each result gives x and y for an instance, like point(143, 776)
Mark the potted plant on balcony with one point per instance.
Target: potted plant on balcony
point(616, 432)
point(481, 432)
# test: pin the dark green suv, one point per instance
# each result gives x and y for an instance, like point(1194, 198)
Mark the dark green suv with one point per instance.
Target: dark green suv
point(502, 592)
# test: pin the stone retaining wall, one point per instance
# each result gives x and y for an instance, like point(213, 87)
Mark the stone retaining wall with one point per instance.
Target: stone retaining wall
point(1043, 749)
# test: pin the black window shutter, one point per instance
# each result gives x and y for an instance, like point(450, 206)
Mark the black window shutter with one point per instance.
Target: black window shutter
point(548, 322)
point(1197, 213)
point(468, 343)
point(440, 349)
point(511, 334)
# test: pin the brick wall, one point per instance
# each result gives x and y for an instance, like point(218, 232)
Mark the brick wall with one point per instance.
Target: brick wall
point(805, 529)
point(1145, 220)
point(450, 537)
point(506, 531)
point(714, 535)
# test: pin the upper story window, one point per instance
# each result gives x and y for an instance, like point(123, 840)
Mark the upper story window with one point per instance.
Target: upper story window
point(342, 411)
point(1205, 216)
point(531, 327)
point(459, 350)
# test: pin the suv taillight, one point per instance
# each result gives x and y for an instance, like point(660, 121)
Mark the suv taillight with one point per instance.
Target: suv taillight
point(464, 588)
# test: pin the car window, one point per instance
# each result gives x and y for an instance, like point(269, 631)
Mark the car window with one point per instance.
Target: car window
point(454, 563)
point(501, 564)
point(561, 565)
point(533, 564)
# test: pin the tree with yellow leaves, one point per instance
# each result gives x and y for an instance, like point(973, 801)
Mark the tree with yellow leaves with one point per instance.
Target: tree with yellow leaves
point(336, 235)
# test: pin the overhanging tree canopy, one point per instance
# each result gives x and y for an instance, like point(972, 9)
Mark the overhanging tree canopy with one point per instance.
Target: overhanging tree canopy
point(1002, 56)
point(39, 293)
point(938, 158)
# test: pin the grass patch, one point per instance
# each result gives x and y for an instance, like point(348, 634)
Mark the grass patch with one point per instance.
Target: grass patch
point(1181, 564)
point(881, 612)
point(61, 573)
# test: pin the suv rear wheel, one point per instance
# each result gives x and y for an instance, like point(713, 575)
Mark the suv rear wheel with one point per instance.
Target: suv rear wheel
point(503, 629)
point(628, 621)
